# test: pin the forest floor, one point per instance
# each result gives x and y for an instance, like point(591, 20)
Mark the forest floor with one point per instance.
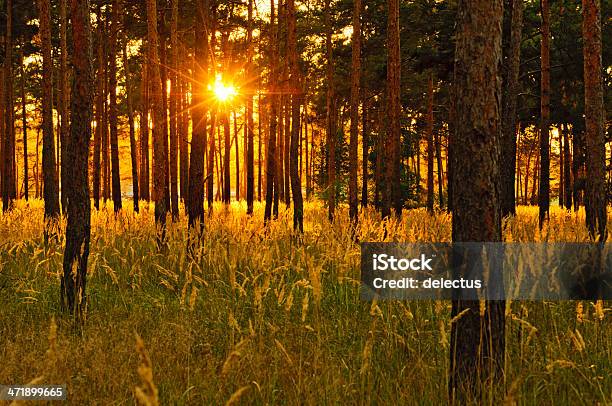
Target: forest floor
point(253, 317)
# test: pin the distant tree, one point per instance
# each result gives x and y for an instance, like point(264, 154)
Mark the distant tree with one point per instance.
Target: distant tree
point(113, 108)
point(130, 117)
point(596, 200)
point(78, 228)
point(250, 170)
point(544, 190)
point(330, 113)
point(8, 186)
point(271, 172)
point(430, 145)
point(63, 102)
point(477, 341)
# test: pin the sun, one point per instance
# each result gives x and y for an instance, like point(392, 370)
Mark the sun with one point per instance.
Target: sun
point(223, 92)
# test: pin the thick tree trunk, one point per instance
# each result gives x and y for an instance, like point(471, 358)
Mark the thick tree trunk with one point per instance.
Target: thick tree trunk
point(355, 92)
point(198, 110)
point(296, 100)
point(78, 227)
point(393, 193)
point(544, 191)
point(330, 127)
point(271, 147)
point(595, 188)
point(63, 102)
point(50, 191)
point(159, 160)
point(510, 97)
point(130, 113)
point(174, 103)
point(113, 109)
point(430, 147)
point(477, 342)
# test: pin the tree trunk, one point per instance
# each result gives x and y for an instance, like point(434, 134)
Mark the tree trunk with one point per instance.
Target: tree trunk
point(330, 130)
point(365, 150)
point(544, 191)
point(393, 196)
point(163, 71)
point(510, 97)
point(50, 191)
point(430, 147)
point(24, 120)
point(159, 167)
point(595, 187)
point(236, 137)
point(113, 110)
point(184, 133)
point(63, 102)
point(78, 226)
point(355, 92)
point(567, 169)
point(250, 170)
point(144, 128)
point(174, 103)
point(296, 100)
point(198, 111)
point(100, 97)
point(130, 112)
point(438, 145)
point(477, 342)
point(8, 187)
point(272, 88)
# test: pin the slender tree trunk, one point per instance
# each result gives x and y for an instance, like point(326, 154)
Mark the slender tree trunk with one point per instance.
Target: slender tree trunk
point(250, 170)
point(365, 149)
point(331, 133)
point(355, 92)
point(510, 97)
point(100, 97)
point(544, 194)
point(159, 167)
point(105, 116)
point(63, 101)
point(50, 192)
point(8, 189)
point(113, 109)
point(130, 113)
point(211, 160)
point(163, 71)
point(595, 187)
point(477, 342)
point(24, 120)
point(430, 147)
point(272, 88)
point(144, 128)
point(567, 169)
point(438, 142)
point(236, 136)
point(174, 103)
point(296, 100)
point(183, 133)
point(78, 227)
point(561, 166)
point(260, 118)
point(198, 110)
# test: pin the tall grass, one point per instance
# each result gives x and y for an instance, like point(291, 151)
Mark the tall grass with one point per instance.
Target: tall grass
point(253, 315)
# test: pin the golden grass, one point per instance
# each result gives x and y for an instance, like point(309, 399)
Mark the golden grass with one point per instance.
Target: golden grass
point(253, 316)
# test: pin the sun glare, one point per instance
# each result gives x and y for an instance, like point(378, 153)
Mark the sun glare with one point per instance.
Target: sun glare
point(223, 92)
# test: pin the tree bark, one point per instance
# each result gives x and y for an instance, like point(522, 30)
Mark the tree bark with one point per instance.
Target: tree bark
point(271, 147)
point(63, 102)
point(50, 191)
point(393, 195)
point(365, 150)
point(355, 92)
point(144, 128)
point(544, 191)
point(595, 187)
point(198, 111)
point(477, 342)
point(174, 103)
point(510, 97)
point(24, 119)
point(130, 113)
point(430, 147)
point(250, 170)
point(567, 169)
point(100, 97)
point(330, 127)
point(296, 100)
point(113, 110)
point(78, 226)
point(159, 167)
point(8, 187)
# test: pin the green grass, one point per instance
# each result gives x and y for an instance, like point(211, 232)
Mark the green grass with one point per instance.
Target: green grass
point(253, 308)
